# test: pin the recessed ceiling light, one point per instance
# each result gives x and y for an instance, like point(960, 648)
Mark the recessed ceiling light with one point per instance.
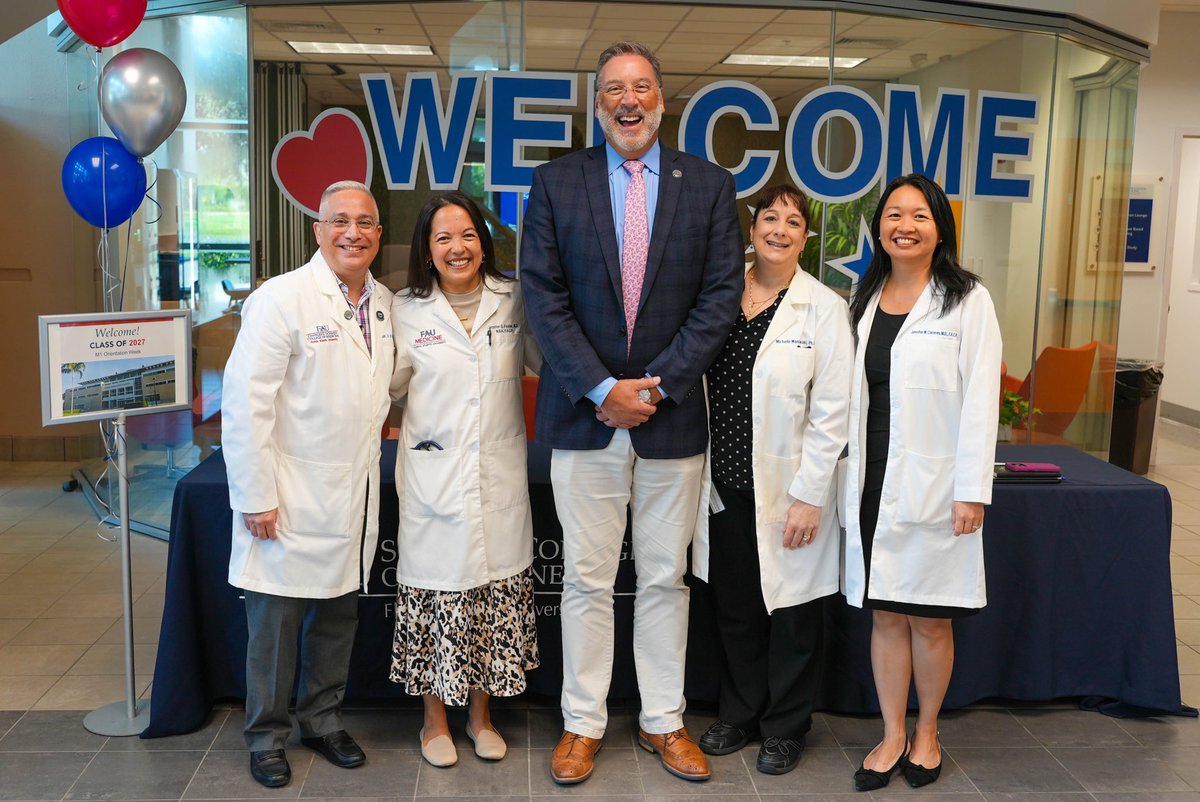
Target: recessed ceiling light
point(360, 49)
point(822, 62)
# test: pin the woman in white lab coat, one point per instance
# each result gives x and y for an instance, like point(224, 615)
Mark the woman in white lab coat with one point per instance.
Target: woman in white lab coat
point(778, 406)
point(465, 628)
point(922, 442)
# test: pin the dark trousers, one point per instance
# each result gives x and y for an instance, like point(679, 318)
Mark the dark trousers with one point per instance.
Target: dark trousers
point(324, 630)
point(770, 668)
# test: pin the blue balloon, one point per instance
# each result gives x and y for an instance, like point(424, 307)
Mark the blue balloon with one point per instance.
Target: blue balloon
point(104, 196)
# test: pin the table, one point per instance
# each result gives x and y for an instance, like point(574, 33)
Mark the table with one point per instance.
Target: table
point(1078, 575)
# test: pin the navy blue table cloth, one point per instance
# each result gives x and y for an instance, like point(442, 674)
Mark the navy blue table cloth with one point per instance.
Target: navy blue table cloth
point(1078, 581)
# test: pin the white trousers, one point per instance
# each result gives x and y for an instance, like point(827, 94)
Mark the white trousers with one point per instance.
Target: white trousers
point(592, 491)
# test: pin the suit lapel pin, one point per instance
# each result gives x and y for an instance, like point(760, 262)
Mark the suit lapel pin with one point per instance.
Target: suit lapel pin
point(379, 315)
point(347, 314)
point(677, 174)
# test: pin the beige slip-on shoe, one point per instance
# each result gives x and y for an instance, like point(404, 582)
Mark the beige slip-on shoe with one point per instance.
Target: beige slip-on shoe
point(488, 744)
point(439, 752)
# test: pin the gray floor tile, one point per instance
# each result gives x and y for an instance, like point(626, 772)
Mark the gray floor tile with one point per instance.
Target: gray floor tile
point(582, 792)
point(474, 777)
point(1119, 769)
point(1150, 796)
point(1184, 761)
point(616, 774)
point(7, 719)
point(1163, 730)
point(821, 735)
point(51, 731)
point(1064, 796)
point(1074, 728)
point(729, 777)
point(40, 775)
point(226, 775)
point(858, 731)
point(982, 727)
point(713, 798)
point(200, 739)
point(137, 775)
point(391, 771)
point(822, 770)
point(378, 729)
point(1013, 769)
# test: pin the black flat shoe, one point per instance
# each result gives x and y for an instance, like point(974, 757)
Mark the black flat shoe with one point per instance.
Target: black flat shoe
point(270, 768)
point(866, 779)
point(917, 775)
point(338, 748)
point(723, 738)
point(779, 755)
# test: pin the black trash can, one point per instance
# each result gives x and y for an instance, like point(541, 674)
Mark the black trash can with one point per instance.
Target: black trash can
point(1135, 404)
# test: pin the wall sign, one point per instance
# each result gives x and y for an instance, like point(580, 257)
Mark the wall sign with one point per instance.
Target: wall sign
point(1143, 246)
point(897, 139)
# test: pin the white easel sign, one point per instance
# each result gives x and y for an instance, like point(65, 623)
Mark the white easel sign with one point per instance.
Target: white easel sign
point(96, 366)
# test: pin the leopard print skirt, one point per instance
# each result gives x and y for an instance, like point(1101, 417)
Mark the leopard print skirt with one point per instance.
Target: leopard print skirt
point(450, 642)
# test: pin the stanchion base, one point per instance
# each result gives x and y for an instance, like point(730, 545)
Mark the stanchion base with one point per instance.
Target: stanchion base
point(114, 719)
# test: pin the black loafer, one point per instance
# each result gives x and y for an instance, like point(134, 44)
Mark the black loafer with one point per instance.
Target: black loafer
point(917, 775)
point(779, 755)
point(338, 748)
point(723, 738)
point(270, 768)
point(866, 779)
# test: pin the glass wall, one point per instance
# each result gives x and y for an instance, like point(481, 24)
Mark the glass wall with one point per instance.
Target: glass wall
point(1030, 134)
point(187, 243)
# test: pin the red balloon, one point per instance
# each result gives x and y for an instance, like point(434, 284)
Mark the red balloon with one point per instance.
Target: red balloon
point(103, 23)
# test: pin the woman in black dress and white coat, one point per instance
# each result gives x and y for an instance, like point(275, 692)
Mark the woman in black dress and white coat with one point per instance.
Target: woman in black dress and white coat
point(923, 422)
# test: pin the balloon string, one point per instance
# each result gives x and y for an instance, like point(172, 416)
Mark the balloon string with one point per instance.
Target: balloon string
point(153, 200)
point(125, 266)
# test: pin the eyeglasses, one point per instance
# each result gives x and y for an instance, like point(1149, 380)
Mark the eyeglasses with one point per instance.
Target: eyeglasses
point(616, 91)
point(343, 223)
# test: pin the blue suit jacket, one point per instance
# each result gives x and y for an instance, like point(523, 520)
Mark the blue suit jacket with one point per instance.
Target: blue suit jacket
point(571, 278)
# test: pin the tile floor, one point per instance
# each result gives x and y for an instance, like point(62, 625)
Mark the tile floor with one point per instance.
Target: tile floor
point(61, 656)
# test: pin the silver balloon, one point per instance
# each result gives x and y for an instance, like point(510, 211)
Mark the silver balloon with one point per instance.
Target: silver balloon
point(142, 97)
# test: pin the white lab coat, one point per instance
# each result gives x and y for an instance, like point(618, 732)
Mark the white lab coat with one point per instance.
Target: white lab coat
point(799, 406)
point(302, 407)
point(945, 382)
point(464, 507)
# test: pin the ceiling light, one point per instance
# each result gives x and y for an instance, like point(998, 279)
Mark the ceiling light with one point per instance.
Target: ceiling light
point(360, 49)
point(822, 62)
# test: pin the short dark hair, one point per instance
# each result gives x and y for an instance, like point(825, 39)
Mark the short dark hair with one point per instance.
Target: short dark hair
point(628, 49)
point(949, 276)
point(783, 192)
point(421, 272)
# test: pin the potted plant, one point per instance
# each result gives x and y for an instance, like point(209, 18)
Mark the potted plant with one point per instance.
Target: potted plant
point(1014, 408)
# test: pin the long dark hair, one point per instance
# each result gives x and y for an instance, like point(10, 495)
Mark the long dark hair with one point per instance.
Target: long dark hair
point(421, 273)
point(949, 277)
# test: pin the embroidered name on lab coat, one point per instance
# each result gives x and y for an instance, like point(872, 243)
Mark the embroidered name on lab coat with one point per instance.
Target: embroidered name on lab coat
point(796, 341)
point(952, 335)
point(323, 334)
point(504, 328)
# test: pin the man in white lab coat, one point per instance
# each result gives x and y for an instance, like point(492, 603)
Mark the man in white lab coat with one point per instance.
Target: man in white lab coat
point(305, 396)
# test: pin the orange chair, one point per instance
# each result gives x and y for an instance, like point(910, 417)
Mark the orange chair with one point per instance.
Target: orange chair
point(1063, 375)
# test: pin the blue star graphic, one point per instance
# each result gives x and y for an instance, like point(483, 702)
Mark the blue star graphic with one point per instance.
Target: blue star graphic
point(855, 265)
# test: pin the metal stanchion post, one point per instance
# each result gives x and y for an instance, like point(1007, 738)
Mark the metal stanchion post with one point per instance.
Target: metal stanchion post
point(131, 716)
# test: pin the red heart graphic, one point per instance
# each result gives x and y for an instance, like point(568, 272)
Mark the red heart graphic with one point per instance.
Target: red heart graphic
point(334, 148)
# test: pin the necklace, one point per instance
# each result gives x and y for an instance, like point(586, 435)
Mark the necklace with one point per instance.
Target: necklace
point(755, 303)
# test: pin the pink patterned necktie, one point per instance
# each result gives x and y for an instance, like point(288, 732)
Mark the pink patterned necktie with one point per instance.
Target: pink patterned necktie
point(635, 244)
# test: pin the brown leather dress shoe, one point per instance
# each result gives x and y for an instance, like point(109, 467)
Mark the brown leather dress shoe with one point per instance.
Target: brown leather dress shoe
point(573, 759)
point(679, 754)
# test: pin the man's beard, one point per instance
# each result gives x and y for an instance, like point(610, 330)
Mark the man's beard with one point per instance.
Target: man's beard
point(627, 141)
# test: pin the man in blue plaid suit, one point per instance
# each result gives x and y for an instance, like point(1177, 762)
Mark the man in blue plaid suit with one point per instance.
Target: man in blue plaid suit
point(620, 399)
